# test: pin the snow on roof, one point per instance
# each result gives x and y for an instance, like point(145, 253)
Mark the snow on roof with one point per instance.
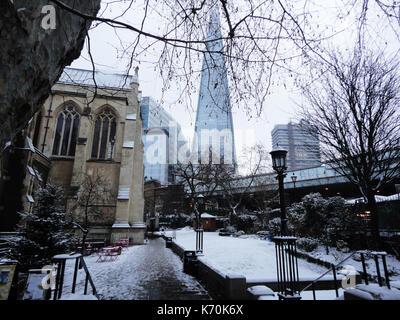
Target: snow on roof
point(377, 199)
point(103, 79)
point(207, 215)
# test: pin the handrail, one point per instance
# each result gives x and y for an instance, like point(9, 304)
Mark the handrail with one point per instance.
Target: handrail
point(362, 253)
point(88, 278)
point(329, 270)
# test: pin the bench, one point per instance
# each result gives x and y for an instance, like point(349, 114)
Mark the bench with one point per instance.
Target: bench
point(124, 243)
point(108, 254)
point(91, 245)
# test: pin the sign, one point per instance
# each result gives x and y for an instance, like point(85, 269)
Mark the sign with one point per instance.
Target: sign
point(7, 273)
point(34, 286)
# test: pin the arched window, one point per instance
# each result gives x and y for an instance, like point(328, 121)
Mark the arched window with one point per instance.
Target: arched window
point(104, 135)
point(66, 133)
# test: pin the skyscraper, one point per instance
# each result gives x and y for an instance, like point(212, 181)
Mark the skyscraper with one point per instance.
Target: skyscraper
point(162, 138)
point(303, 147)
point(214, 136)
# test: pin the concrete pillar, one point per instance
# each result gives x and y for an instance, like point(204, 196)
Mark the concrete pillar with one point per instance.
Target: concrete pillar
point(235, 287)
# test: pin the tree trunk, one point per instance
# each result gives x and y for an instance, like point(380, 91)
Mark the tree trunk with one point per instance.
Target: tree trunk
point(373, 208)
point(33, 56)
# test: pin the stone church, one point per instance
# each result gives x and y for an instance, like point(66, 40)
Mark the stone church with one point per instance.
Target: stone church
point(87, 139)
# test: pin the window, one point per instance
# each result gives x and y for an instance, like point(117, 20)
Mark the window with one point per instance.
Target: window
point(66, 133)
point(104, 135)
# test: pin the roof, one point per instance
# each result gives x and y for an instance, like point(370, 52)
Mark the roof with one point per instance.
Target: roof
point(207, 215)
point(393, 197)
point(103, 79)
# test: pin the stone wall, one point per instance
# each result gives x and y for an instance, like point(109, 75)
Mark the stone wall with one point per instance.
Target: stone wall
point(32, 58)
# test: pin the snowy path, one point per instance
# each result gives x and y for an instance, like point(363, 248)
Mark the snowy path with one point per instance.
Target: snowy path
point(146, 272)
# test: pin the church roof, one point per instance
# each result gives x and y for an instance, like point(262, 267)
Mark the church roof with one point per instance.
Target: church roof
point(103, 79)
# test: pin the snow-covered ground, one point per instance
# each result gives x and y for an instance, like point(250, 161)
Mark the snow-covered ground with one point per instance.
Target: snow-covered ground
point(246, 255)
point(255, 258)
point(146, 272)
point(154, 272)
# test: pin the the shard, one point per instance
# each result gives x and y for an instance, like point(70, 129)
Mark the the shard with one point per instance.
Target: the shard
point(214, 135)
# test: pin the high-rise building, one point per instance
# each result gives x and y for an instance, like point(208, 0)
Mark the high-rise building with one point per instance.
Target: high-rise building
point(162, 138)
point(214, 135)
point(303, 147)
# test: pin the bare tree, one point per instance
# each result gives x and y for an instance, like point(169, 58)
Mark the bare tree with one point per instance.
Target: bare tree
point(197, 179)
point(260, 39)
point(94, 194)
point(354, 110)
point(235, 188)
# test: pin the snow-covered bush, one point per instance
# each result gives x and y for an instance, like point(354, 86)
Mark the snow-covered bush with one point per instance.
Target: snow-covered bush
point(175, 221)
point(307, 244)
point(231, 229)
point(328, 220)
point(245, 222)
point(342, 246)
point(274, 226)
point(44, 232)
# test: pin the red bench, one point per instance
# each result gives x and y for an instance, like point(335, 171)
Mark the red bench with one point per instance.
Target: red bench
point(108, 254)
point(124, 243)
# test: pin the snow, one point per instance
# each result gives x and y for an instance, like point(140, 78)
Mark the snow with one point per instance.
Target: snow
point(379, 293)
point(261, 291)
point(250, 256)
point(207, 216)
point(79, 297)
point(137, 271)
point(335, 256)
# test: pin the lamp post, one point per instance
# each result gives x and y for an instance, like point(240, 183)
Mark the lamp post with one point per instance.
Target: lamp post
point(285, 247)
point(279, 165)
point(199, 229)
point(294, 178)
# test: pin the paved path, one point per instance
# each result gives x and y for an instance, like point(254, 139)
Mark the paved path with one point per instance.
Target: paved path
point(146, 272)
point(169, 282)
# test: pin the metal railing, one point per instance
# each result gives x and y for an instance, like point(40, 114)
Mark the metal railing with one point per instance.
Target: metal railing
point(287, 267)
point(363, 253)
point(88, 279)
point(79, 261)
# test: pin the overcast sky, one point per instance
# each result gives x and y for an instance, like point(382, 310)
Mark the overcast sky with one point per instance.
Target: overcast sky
point(281, 105)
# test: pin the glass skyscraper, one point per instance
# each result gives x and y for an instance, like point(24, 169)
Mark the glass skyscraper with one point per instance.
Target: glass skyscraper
point(303, 147)
point(162, 137)
point(214, 134)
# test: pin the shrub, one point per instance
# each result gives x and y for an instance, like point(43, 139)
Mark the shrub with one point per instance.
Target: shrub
point(307, 244)
point(175, 221)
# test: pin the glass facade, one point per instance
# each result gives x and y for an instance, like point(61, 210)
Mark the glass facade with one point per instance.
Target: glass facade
point(303, 147)
point(162, 137)
point(214, 134)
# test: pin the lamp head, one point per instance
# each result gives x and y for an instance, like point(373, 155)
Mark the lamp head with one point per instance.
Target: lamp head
point(279, 160)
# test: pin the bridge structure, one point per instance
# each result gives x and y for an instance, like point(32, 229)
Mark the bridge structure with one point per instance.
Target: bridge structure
point(322, 179)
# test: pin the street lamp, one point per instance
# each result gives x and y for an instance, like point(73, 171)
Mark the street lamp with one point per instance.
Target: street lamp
point(279, 165)
point(294, 178)
point(199, 229)
point(285, 247)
